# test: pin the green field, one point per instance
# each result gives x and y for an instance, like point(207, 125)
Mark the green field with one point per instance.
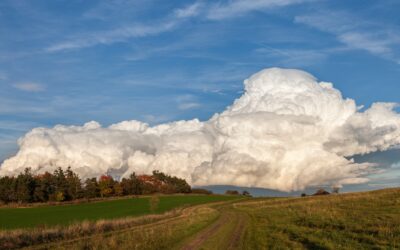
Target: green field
point(366, 220)
point(12, 218)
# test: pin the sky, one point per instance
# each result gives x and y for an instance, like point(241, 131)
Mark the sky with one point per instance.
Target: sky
point(70, 62)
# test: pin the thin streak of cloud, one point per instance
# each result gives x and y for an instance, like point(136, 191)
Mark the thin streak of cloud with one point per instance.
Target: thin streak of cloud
point(109, 37)
point(186, 102)
point(30, 86)
point(189, 11)
point(189, 105)
point(171, 22)
point(241, 7)
point(355, 33)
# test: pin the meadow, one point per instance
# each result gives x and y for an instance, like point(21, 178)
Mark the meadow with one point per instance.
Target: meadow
point(365, 220)
point(41, 216)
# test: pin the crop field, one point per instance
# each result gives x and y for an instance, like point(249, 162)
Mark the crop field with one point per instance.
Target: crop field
point(367, 220)
point(12, 218)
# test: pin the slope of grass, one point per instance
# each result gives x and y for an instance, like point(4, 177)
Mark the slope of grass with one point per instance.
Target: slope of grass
point(12, 218)
point(369, 220)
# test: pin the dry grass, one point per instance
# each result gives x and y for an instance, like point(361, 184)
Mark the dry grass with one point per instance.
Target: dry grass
point(367, 220)
point(27, 237)
point(162, 235)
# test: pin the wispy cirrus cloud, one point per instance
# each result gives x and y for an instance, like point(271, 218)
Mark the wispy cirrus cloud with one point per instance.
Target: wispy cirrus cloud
point(232, 9)
point(293, 57)
point(355, 32)
point(186, 102)
point(189, 11)
point(112, 36)
point(171, 21)
point(30, 86)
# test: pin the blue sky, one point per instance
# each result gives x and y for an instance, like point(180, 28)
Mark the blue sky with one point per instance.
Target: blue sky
point(72, 61)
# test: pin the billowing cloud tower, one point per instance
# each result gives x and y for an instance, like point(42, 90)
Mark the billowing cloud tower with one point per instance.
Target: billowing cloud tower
point(286, 132)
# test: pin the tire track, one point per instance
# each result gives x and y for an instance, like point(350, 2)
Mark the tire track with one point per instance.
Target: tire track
point(229, 238)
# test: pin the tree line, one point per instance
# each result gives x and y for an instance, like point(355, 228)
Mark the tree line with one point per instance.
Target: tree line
point(65, 185)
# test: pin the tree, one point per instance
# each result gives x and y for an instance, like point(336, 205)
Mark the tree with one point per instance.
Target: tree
point(321, 191)
point(44, 187)
point(7, 187)
point(74, 186)
point(201, 191)
point(232, 192)
point(60, 186)
point(118, 190)
point(63, 185)
point(25, 186)
point(171, 184)
point(92, 189)
point(132, 185)
point(246, 193)
point(106, 185)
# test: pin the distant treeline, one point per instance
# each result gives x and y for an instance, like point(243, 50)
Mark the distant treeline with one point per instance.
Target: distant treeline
point(65, 185)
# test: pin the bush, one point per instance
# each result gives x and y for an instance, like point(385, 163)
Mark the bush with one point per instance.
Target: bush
point(232, 192)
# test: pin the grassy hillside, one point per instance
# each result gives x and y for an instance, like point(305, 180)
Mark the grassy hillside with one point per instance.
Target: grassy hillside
point(349, 221)
point(369, 220)
point(12, 218)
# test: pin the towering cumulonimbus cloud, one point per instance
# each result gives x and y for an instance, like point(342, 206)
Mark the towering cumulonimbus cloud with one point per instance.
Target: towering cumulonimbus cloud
point(286, 132)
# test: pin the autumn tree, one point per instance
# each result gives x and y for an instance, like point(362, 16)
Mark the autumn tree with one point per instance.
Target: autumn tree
point(131, 185)
point(106, 185)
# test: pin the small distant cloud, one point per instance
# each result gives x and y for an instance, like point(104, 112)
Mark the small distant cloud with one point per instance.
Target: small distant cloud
point(3, 76)
point(189, 105)
point(30, 86)
point(189, 11)
point(155, 119)
point(396, 165)
point(187, 101)
point(231, 9)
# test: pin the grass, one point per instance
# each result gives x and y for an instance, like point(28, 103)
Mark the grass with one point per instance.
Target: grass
point(44, 216)
point(158, 236)
point(368, 220)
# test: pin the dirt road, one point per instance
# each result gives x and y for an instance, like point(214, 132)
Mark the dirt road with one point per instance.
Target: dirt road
point(224, 233)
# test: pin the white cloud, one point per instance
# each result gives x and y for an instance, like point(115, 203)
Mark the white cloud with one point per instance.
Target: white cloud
point(373, 44)
point(355, 33)
point(189, 105)
point(214, 11)
point(189, 11)
point(113, 36)
point(241, 7)
point(287, 132)
point(293, 57)
point(186, 102)
point(396, 165)
point(30, 86)
point(155, 119)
